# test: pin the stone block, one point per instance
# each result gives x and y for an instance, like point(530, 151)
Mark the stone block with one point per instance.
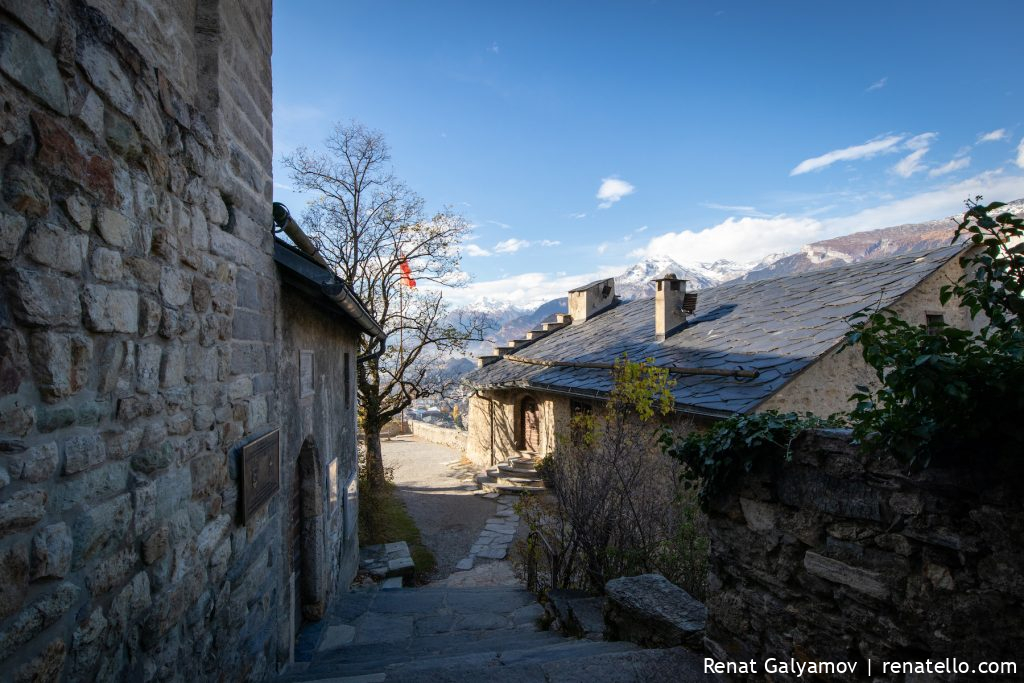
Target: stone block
point(149, 460)
point(39, 299)
point(34, 464)
point(860, 580)
point(91, 113)
point(148, 368)
point(59, 249)
point(25, 192)
point(12, 229)
point(179, 425)
point(56, 149)
point(33, 67)
point(46, 666)
point(40, 615)
point(99, 524)
point(150, 313)
point(175, 287)
point(14, 578)
point(155, 546)
point(144, 497)
point(60, 363)
point(106, 265)
point(80, 212)
point(112, 572)
point(115, 228)
point(172, 368)
point(649, 610)
point(121, 135)
point(87, 646)
point(39, 17)
point(51, 552)
point(16, 419)
point(105, 73)
point(83, 452)
point(22, 510)
point(132, 600)
point(110, 310)
point(209, 474)
point(94, 485)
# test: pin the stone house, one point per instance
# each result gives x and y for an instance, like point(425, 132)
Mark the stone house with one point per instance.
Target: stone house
point(177, 435)
point(736, 348)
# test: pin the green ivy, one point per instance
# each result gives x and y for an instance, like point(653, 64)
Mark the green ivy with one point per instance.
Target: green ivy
point(944, 392)
point(716, 458)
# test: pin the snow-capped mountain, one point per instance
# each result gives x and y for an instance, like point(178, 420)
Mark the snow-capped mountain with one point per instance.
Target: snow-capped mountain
point(635, 283)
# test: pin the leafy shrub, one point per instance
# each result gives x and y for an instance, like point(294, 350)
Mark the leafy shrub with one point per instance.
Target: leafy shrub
point(716, 458)
point(945, 392)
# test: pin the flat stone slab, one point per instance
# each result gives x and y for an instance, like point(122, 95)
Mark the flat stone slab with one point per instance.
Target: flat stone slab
point(464, 565)
point(652, 611)
point(387, 560)
point(337, 636)
point(496, 553)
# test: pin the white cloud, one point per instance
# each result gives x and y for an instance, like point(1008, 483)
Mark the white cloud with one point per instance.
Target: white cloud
point(736, 208)
point(474, 250)
point(949, 167)
point(528, 289)
point(864, 151)
point(510, 246)
point(577, 216)
point(992, 136)
point(612, 190)
point(494, 48)
point(503, 226)
point(942, 201)
point(737, 239)
point(910, 164)
point(750, 238)
point(1020, 153)
point(922, 141)
point(879, 84)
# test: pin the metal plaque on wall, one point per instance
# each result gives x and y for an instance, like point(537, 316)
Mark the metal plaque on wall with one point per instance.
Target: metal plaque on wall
point(261, 472)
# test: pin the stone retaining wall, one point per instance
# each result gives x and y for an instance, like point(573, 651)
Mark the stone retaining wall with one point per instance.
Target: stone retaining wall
point(454, 439)
point(840, 557)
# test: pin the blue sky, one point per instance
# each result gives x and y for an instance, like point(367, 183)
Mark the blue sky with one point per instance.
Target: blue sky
point(579, 137)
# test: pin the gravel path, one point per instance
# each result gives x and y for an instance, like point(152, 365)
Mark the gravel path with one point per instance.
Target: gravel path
point(440, 497)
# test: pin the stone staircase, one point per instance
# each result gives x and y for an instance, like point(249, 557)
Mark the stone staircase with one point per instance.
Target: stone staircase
point(442, 634)
point(516, 476)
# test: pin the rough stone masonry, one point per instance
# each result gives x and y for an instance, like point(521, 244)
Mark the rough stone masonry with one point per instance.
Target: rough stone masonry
point(137, 341)
point(839, 556)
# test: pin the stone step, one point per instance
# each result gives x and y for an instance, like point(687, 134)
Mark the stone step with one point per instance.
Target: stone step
point(369, 658)
point(629, 666)
point(518, 655)
point(520, 469)
point(518, 490)
point(505, 480)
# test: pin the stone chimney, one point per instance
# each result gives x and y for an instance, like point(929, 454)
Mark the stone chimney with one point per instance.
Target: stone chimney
point(587, 301)
point(669, 311)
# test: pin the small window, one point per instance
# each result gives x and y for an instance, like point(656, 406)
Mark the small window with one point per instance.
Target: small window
point(934, 321)
point(348, 381)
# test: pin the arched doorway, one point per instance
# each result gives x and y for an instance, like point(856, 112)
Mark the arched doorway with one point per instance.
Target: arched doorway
point(306, 536)
point(529, 425)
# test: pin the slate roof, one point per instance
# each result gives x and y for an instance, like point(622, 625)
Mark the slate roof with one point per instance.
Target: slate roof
point(776, 326)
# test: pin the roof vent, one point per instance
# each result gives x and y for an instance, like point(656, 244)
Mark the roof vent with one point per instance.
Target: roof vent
point(670, 309)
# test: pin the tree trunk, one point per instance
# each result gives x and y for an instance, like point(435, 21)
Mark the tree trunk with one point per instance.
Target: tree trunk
point(374, 458)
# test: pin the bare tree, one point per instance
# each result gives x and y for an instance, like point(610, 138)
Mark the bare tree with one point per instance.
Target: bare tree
point(366, 224)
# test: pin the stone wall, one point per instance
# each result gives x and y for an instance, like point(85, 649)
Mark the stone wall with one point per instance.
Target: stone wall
point(826, 385)
point(141, 334)
point(454, 439)
point(840, 557)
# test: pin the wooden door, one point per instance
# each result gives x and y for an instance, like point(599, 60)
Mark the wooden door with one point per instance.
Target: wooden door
point(530, 425)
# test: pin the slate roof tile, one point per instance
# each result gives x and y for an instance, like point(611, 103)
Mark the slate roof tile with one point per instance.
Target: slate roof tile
point(777, 326)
